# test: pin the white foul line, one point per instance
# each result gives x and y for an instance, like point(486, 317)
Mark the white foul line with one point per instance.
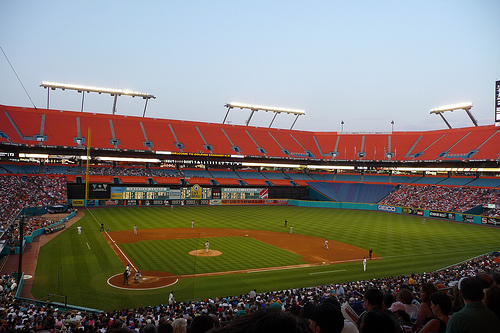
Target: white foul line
point(337, 270)
point(88, 245)
point(119, 249)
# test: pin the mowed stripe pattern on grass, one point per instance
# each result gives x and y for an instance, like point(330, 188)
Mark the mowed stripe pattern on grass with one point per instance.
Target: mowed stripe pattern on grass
point(237, 253)
point(406, 245)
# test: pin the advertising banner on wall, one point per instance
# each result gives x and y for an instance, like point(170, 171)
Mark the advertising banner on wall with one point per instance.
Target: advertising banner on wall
point(413, 211)
point(442, 215)
point(490, 220)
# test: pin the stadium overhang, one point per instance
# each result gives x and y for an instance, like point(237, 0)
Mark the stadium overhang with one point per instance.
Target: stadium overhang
point(100, 90)
point(460, 106)
point(253, 108)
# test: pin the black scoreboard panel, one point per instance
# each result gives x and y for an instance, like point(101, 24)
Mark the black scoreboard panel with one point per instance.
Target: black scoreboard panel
point(145, 193)
point(240, 193)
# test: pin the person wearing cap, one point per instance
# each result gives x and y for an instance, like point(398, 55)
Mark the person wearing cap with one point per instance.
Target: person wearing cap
point(475, 316)
point(377, 315)
point(171, 299)
point(324, 318)
point(399, 311)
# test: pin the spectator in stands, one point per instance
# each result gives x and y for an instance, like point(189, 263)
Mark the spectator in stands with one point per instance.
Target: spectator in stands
point(475, 316)
point(398, 309)
point(265, 320)
point(378, 317)
point(179, 325)
point(424, 313)
point(492, 299)
point(202, 324)
point(441, 307)
point(405, 296)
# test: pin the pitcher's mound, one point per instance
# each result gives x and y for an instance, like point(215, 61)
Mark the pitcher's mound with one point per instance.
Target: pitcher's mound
point(204, 253)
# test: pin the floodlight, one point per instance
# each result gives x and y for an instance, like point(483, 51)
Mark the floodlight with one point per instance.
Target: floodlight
point(264, 108)
point(451, 107)
point(82, 89)
point(459, 106)
point(253, 107)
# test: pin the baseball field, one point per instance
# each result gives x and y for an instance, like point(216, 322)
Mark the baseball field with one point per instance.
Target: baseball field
point(249, 248)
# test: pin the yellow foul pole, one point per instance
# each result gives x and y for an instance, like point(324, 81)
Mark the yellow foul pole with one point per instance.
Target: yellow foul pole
point(87, 170)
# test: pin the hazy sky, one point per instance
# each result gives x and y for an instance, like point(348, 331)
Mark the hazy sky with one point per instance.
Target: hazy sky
point(362, 62)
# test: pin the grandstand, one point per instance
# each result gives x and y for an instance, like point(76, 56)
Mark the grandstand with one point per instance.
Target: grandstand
point(133, 160)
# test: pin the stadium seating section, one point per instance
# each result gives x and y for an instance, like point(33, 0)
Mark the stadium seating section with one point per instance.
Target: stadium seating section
point(71, 129)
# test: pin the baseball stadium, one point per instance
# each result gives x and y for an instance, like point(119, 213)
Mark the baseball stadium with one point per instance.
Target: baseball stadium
point(210, 211)
point(249, 167)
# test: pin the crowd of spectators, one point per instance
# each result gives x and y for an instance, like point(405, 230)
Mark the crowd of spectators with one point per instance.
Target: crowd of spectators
point(404, 298)
point(18, 192)
point(443, 198)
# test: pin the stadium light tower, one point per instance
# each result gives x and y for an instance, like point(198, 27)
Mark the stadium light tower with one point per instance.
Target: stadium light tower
point(275, 109)
point(82, 89)
point(460, 106)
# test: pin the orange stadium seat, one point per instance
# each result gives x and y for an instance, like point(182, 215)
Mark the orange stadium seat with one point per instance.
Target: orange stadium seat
point(239, 138)
point(215, 137)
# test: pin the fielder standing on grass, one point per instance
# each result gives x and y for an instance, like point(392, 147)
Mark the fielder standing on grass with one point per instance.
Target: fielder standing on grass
point(364, 264)
point(192, 224)
point(79, 228)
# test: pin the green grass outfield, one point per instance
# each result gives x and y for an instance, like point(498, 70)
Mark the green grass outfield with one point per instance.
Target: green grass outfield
point(407, 246)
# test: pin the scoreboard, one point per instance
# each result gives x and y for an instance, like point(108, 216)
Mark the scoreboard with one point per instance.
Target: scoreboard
point(160, 193)
point(243, 193)
point(186, 192)
point(195, 192)
point(144, 193)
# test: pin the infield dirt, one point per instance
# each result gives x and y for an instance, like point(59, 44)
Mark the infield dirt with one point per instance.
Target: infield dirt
point(311, 249)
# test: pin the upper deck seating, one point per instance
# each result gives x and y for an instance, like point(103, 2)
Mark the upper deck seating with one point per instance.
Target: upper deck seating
point(159, 135)
point(376, 146)
point(188, 135)
point(215, 137)
point(241, 140)
point(403, 143)
point(265, 141)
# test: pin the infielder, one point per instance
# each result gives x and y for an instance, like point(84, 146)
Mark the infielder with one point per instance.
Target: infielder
point(326, 245)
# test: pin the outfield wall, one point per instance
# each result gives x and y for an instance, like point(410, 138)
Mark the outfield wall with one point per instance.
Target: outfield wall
point(424, 213)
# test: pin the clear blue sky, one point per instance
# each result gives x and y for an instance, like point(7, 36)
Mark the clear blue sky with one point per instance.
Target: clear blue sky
point(362, 62)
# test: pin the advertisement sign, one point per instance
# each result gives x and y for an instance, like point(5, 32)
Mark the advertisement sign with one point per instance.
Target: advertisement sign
point(468, 218)
point(490, 220)
point(442, 215)
point(384, 208)
point(116, 193)
point(175, 195)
